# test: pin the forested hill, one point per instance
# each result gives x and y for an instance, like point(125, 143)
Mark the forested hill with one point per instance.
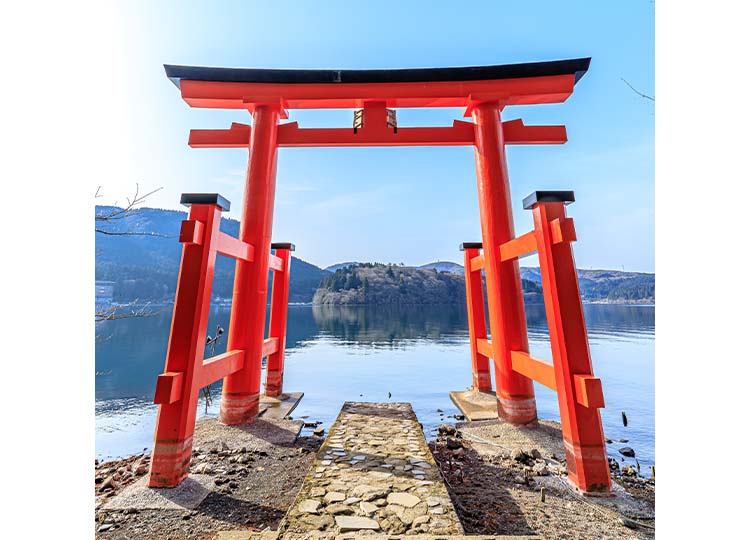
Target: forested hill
point(377, 283)
point(608, 286)
point(144, 266)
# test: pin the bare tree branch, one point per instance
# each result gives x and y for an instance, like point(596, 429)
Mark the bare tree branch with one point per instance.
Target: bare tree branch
point(120, 311)
point(637, 92)
point(114, 214)
point(120, 213)
point(110, 216)
point(131, 233)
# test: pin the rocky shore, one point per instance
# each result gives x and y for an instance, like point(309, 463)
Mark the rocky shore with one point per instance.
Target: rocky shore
point(111, 477)
point(254, 482)
point(499, 487)
point(475, 478)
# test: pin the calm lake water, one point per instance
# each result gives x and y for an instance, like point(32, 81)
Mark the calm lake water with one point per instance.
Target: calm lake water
point(417, 353)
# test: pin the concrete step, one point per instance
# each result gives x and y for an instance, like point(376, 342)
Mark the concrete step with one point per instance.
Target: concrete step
point(476, 405)
point(278, 408)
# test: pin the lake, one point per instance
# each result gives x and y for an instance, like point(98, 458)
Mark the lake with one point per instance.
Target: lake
point(417, 353)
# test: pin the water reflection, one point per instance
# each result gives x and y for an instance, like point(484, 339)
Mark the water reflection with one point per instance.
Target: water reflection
point(390, 326)
point(601, 320)
point(416, 353)
point(130, 353)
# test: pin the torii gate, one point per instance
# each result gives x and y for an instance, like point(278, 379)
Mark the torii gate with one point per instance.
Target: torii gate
point(483, 92)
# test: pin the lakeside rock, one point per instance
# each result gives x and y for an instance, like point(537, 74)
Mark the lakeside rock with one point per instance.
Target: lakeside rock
point(446, 429)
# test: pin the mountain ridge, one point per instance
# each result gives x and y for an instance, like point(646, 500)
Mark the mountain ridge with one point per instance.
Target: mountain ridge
point(144, 266)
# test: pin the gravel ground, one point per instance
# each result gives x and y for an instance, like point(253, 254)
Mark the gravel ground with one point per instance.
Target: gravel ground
point(500, 492)
point(254, 485)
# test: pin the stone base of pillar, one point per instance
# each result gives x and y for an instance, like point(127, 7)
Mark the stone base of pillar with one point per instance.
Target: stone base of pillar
point(517, 411)
point(237, 409)
point(170, 462)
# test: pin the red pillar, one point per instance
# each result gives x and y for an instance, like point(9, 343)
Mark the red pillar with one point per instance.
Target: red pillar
point(586, 454)
point(175, 423)
point(277, 324)
point(480, 365)
point(241, 390)
point(515, 392)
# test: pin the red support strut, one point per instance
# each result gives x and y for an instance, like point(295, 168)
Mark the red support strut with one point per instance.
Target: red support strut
point(241, 390)
point(477, 324)
point(186, 370)
point(515, 392)
point(177, 389)
point(277, 325)
point(579, 393)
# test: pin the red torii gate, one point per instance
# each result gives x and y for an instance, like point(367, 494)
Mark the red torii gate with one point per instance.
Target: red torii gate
point(483, 92)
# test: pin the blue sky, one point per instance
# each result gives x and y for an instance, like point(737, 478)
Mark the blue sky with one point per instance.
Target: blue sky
point(411, 205)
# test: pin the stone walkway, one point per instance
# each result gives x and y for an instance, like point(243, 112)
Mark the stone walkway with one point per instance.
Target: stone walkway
point(374, 474)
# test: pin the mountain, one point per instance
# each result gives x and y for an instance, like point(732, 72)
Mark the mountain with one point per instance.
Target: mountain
point(444, 266)
point(610, 286)
point(532, 274)
point(144, 266)
point(338, 266)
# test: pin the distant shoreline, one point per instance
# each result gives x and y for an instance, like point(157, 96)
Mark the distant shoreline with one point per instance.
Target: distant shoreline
point(638, 304)
point(311, 304)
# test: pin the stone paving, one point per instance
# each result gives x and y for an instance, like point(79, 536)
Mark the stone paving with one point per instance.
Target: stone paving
point(366, 535)
point(373, 475)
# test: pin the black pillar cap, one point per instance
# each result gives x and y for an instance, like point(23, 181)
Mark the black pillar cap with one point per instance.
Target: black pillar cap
point(283, 245)
point(566, 197)
point(205, 198)
point(470, 245)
